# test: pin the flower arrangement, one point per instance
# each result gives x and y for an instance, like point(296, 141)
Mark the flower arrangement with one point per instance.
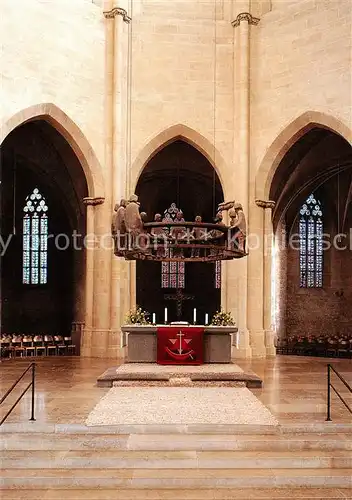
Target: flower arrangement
point(222, 318)
point(137, 317)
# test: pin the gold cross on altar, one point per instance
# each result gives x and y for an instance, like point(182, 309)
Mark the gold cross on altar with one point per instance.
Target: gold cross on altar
point(179, 297)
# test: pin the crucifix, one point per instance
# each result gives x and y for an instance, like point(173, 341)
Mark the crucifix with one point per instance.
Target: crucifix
point(179, 297)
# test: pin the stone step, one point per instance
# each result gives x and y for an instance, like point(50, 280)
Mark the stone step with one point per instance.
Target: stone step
point(174, 478)
point(226, 429)
point(176, 442)
point(174, 460)
point(254, 443)
point(180, 494)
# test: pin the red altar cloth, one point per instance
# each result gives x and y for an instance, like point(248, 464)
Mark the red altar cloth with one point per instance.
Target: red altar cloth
point(180, 346)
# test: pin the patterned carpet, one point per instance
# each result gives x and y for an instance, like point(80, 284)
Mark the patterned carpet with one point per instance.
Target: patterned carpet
point(179, 405)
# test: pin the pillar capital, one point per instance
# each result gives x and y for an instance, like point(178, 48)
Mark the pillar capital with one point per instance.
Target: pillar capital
point(89, 201)
point(117, 11)
point(245, 16)
point(265, 204)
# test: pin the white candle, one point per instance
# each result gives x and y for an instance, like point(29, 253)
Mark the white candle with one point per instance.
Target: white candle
point(194, 315)
point(206, 319)
point(165, 315)
point(154, 319)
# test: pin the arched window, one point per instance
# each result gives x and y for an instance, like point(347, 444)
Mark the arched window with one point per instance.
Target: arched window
point(311, 243)
point(172, 273)
point(35, 240)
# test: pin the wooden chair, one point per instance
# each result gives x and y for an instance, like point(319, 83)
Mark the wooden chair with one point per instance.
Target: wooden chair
point(343, 348)
point(38, 342)
point(6, 349)
point(60, 344)
point(17, 345)
point(320, 347)
point(331, 347)
point(50, 345)
point(27, 343)
point(71, 348)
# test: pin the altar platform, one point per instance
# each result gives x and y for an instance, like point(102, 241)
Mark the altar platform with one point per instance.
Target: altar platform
point(152, 374)
point(140, 342)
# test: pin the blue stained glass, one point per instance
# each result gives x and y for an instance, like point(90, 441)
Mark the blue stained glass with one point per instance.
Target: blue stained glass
point(43, 275)
point(43, 242)
point(217, 273)
point(34, 276)
point(44, 224)
point(35, 246)
point(26, 259)
point(35, 243)
point(26, 242)
point(172, 273)
point(26, 275)
point(311, 243)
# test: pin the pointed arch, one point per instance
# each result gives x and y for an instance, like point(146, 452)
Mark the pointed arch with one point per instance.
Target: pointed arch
point(73, 135)
point(174, 133)
point(291, 133)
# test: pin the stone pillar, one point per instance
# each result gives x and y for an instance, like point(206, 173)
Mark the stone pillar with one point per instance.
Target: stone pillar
point(102, 275)
point(267, 244)
point(281, 278)
point(255, 304)
point(89, 243)
point(238, 271)
point(117, 125)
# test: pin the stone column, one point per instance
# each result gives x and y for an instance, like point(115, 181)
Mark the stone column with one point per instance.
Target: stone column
point(255, 291)
point(238, 271)
point(117, 125)
point(102, 276)
point(269, 334)
point(89, 244)
point(281, 256)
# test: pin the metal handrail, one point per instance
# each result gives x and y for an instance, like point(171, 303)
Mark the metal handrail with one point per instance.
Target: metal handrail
point(31, 384)
point(330, 367)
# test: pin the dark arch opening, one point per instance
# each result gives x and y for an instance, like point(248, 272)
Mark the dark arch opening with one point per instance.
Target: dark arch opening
point(36, 155)
point(319, 163)
point(179, 174)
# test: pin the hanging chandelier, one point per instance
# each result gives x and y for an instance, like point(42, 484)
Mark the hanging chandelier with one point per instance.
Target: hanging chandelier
point(176, 240)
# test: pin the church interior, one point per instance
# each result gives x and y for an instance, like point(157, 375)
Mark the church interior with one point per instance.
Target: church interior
point(213, 361)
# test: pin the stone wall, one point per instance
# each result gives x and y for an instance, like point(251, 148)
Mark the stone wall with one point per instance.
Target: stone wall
point(174, 70)
point(301, 61)
point(53, 52)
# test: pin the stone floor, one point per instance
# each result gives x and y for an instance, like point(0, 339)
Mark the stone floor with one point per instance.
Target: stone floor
point(294, 387)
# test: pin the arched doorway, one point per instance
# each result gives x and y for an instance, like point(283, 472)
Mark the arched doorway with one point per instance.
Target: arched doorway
point(312, 187)
point(43, 225)
point(179, 176)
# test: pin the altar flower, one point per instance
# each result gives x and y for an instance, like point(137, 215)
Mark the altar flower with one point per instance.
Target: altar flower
point(138, 316)
point(222, 318)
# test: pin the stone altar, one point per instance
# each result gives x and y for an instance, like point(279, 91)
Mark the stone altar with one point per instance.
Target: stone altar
point(141, 342)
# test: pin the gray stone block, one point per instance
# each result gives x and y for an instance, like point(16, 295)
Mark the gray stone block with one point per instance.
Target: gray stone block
point(141, 348)
point(217, 348)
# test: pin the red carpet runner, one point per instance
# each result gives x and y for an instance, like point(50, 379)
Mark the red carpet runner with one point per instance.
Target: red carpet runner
point(180, 346)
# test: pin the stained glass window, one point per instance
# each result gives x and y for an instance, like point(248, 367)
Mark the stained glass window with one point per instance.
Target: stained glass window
point(217, 281)
point(172, 273)
point(311, 243)
point(35, 240)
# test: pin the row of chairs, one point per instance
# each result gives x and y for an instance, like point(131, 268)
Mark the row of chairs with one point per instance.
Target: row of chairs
point(13, 345)
point(327, 346)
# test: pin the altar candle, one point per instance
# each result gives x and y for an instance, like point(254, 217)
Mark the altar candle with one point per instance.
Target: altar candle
point(154, 318)
point(194, 315)
point(206, 318)
point(165, 315)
